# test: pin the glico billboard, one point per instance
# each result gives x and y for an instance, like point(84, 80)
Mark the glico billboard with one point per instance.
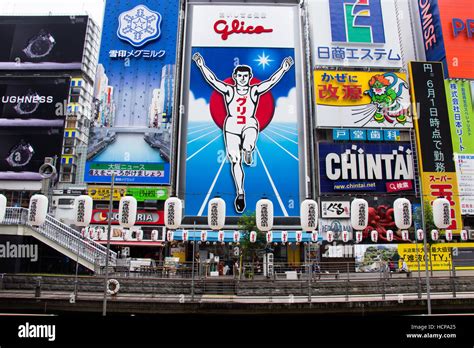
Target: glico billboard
point(244, 130)
point(42, 42)
point(131, 133)
point(448, 34)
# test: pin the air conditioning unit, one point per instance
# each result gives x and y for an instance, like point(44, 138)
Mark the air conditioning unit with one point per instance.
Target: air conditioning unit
point(471, 234)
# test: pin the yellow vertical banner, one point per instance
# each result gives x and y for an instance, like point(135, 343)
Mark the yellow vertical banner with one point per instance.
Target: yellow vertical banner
point(436, 185)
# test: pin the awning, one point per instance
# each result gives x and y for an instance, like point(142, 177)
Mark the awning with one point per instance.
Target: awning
point(195, 235)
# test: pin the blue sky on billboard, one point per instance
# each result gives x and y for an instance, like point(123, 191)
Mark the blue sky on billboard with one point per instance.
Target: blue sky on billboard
point(93, 8)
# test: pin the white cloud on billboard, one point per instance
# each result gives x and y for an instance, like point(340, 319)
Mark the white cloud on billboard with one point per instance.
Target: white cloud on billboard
point(285, 108)
point(198, 109)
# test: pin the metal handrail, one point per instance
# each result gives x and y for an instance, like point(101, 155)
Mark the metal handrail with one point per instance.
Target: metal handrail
point(63, 235)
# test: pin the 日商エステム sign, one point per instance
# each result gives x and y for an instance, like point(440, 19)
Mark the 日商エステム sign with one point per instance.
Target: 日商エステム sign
point(355, 33)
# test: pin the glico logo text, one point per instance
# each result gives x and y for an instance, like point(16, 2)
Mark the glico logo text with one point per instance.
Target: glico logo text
point(222, 28)
point(356, 21)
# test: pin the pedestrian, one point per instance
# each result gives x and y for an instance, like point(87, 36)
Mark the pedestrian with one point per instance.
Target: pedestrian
point(404, 267)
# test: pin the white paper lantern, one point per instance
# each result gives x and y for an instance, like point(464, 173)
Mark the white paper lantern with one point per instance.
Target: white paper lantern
point(441, 213)
point(314, 236)
point(38, 210)
point(405, 235)
point(102, 234)
point(170, 236)
point(173, 213)
point(402, 213)
point(284, 237)
point(185, 235)
point(264, 215)
point(3, 207)
point(82, 210)
point(434, 234)
point(203, 236)
point(449, 235)
point(154, 235)
point(216, 213)
point(309, 215)
point(127, 212)
point(253, 237)
point(127, 235)
point(236, 236)
point(359, 214)
point(389, 235)
point(358, 236)
point(420, 235)
point(330, 236)
point(464, 235)
point(90, 232)
point(269, 236)
point(374, 236)
point(299, 236)
point(95, 234)
point(83, 232)
point(345, 236)
point(139, 235)
point(220, 236)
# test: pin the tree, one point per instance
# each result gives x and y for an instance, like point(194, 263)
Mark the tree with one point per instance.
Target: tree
point(428, 212)
point(247, 224)
point(249, 250)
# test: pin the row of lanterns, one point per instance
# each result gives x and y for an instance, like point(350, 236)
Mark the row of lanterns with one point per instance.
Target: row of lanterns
point(83, 207)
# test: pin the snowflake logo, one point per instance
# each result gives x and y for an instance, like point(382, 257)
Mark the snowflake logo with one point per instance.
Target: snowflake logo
point(139, 25)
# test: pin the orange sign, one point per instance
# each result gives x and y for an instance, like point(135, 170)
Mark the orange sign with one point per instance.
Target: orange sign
point(436, 185)
point(457, 23)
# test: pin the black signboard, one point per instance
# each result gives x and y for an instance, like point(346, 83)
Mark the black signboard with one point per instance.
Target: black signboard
point(432, 119)
point(42, 42)
point(32, 98)
point(23, 149)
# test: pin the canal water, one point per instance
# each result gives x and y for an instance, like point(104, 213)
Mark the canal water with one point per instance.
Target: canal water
point(130, 147)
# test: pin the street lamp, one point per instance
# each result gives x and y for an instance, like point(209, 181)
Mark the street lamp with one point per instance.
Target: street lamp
point(48, 172)
point(82, 218)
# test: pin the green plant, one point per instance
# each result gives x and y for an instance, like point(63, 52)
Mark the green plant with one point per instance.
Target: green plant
point(247, 224)
point(428, 213)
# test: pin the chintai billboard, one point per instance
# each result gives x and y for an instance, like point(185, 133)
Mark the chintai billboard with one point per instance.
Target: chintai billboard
point(131, 132)
point(243, 135)
point(360, 167)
